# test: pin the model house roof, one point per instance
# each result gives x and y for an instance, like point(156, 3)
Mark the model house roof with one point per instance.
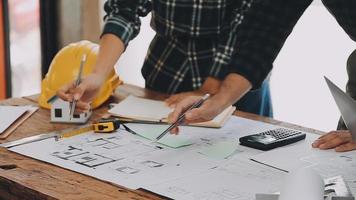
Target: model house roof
point(52, 99)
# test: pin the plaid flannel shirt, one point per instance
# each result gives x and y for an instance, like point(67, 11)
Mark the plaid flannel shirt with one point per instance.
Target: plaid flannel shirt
point(214, 37)
point(266, 27)
point(194, 40)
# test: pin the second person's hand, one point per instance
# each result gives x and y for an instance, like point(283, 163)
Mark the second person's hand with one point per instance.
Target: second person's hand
point(84, 93)
point(206, 112)
point(341, 141)
point(231, 90)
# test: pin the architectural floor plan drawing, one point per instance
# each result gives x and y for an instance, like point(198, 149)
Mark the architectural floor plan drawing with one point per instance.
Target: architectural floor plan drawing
point(95, 152)
point(236, 179)
point(134, 161)
point(327, 163)
point(83, 157)
point(212, 166)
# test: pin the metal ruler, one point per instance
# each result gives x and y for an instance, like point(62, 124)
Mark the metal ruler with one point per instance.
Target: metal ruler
point(57, 135)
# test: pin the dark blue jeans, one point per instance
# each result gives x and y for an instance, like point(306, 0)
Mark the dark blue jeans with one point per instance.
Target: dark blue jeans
point(257, 101)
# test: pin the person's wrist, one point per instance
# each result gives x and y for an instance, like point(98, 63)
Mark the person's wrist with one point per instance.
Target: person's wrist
point(220, 101)
point(211, 85)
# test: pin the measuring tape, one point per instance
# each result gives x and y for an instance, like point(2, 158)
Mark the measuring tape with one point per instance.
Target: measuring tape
point(102, 126)
point(106, 125)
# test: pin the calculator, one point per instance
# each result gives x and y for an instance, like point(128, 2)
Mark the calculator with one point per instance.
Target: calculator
point(272, 138)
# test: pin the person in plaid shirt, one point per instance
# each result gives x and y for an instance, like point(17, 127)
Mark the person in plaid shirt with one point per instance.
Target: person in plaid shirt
point(261, 36)
point(243, 55)
point(189, 54)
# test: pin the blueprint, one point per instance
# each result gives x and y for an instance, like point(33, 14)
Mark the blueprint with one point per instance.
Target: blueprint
point(327, 163)
point(212, 166)
point(237, 179)
point(120, 158)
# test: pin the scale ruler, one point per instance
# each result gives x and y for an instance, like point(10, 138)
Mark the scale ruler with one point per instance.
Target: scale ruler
point(65, 133)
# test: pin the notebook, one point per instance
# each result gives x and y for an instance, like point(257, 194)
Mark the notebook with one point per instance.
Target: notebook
point(145, 110)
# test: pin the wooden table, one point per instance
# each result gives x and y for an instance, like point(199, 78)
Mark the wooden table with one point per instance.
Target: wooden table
point(25, 178)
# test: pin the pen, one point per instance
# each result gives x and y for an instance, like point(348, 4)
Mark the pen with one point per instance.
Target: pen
point(182, 116)
point(77, 82)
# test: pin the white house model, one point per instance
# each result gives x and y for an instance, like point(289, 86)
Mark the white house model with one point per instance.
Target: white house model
point(60, 112)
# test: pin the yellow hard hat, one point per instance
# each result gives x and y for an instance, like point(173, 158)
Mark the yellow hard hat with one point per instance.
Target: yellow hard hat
point(64, 69)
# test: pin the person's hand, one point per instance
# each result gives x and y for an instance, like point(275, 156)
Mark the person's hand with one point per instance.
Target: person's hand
point(206, 112)
point(210, 86)
point(84, 93)
point(340, 140)
point(231, 90)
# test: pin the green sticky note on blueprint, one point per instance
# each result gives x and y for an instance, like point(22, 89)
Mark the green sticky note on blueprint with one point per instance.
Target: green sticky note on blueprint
point(220, 150)
point(174, 141)
point(151, 132)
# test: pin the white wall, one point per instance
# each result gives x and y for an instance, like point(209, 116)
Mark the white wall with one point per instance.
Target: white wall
point(317, 47)
point(129, 65)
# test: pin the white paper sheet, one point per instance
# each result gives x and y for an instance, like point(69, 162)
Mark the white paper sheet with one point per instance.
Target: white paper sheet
point(9, 114)
point(239, 179)
point(151, 110)
point(301, 155)
point(134, 162)
point(140, 108)
point(287, 157)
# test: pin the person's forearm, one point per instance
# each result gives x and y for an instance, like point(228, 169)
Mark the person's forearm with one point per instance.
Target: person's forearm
point(232, 89)
point(111, 48)
point(211, 85)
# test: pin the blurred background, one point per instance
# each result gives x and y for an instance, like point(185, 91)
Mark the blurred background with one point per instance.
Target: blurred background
point(32, 31)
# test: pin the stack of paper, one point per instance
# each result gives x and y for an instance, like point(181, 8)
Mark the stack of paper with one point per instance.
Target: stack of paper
point(140, 109)
point(12, 116)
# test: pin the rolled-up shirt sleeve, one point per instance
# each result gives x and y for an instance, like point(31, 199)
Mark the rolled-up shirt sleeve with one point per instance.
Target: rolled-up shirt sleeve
point(123, 18)
point(262, 34)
